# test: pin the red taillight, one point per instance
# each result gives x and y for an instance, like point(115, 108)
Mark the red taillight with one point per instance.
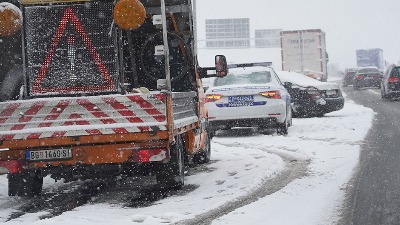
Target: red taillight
point(150, 155)
point(12, 166)
point(359, 77)
point(271, 94)
point(213, 97)
point(393, 79)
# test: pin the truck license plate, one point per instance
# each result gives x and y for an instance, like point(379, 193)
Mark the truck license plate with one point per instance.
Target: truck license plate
point(51, 154)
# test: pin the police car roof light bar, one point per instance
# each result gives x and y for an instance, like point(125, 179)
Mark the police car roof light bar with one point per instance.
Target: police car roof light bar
point(265, 64)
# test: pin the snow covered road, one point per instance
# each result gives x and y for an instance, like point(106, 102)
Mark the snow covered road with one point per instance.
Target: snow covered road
point(242, 165)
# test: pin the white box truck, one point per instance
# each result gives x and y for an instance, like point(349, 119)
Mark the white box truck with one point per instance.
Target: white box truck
point(370, 57)
point(304, 51)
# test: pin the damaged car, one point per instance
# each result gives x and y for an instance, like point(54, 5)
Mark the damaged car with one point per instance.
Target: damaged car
point(310, 97)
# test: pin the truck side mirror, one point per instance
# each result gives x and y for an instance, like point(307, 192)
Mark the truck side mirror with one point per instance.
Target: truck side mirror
point(221, 66)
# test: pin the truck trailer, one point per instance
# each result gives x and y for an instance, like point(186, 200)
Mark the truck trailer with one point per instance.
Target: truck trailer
point(370, 57)
point(110, 88)
point(304, 51)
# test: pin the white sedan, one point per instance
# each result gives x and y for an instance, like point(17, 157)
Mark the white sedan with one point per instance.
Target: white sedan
point(249, 96)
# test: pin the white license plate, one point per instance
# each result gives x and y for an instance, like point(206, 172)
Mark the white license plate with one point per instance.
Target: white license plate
point(239, 104)
point(242, 98)
point(238, 101)
point(52, 154)
point(330, 92)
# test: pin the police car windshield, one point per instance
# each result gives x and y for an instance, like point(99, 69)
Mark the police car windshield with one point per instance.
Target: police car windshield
point(261, 77)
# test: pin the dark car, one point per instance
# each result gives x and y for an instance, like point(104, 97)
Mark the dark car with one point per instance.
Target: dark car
point(310, 97)
point(367, 77)
point(349, 76)
point(390, 87)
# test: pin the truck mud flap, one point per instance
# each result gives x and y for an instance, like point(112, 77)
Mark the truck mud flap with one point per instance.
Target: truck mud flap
point(171, 175)
point(25, 184)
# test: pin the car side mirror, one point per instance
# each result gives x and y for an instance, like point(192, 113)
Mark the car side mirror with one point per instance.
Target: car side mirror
point(221, 66)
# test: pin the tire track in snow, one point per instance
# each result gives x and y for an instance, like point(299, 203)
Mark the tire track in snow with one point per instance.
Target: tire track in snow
point(295, 169)
point(62, 200)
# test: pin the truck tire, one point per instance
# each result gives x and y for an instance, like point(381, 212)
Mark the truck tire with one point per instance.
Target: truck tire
point(25, 184)
point(172, 174)
point(156, 39)
point(211, 133)
point(204, 155)
point(10, 86)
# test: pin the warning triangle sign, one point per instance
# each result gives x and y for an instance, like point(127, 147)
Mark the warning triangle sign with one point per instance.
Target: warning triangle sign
point(71, 35)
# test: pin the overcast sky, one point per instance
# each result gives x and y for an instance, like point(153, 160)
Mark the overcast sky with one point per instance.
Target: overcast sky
point(349, 24)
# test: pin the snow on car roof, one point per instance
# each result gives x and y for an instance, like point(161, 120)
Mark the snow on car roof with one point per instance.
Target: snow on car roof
point(369, 69)
point(248, 70)
point(302, 80)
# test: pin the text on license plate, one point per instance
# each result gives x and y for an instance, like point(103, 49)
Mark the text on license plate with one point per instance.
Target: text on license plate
point(48, 154)
point(242, 98)
point(238, 101)
point(238, 104)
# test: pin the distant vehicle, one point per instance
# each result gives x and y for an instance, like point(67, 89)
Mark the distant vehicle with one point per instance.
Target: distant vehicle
point(251, 95)
point(390, 87)
point(349, 76)
point(370, 57)
point(367, 77)
point(311, 97)
point(304, 51)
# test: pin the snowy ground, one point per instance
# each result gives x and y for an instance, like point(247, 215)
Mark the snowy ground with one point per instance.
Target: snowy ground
point(240, 165)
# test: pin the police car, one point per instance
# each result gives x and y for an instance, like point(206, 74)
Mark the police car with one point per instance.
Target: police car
point(251, 95)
